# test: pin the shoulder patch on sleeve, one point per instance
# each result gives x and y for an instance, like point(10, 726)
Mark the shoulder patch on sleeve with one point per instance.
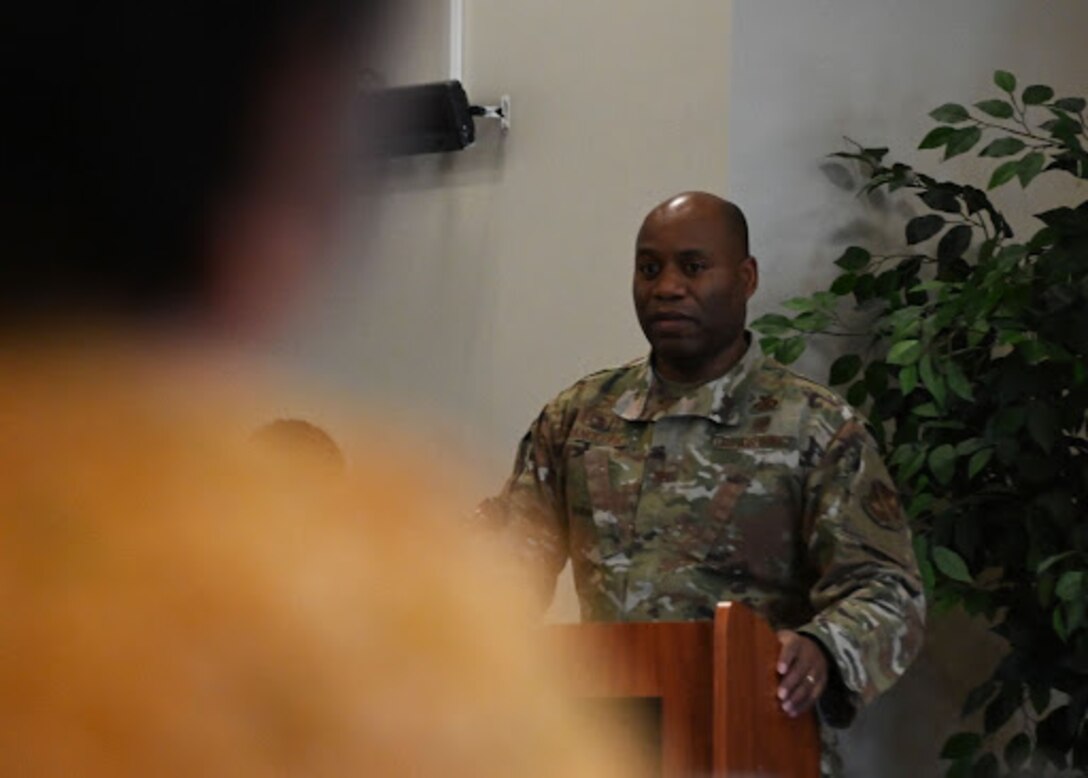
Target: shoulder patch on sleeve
point(882, 505)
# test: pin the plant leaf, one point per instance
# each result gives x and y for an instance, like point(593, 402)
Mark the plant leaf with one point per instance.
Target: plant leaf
point(1002, 707)
point(950, 113)
point(921, 551)
point(951, 564)
point(1030, 166)
point(905, 352)
point(908, 379)
point(924, 227)
point(1058, 622)
point(1049, 562)
point(865, 287)
point(1009, 419)
point(844, 369)
point(1042, 425)
point(954, 243)
point(844, 284)
point(1004, 173)
point(810, 321)
point(958, 382)
point(876, 378)
point(857, 393)
point(926, 411)
point(978, 697)
point(985, 767)
point(772, 324)
point(854, 259)
point(999, 109)
point(1017, 751)
point(1075, 614)
point(801, 304)
point(1037, 94)
point(1003, 147)
point(969, 446)
point(1064, 129)
point(911, 468)
point(790, 349)
point(1071, 104)
point(937, 137)
point(941, 200)
point(959, 769)
point(942, 463)
point(1005, 80)
point(1033, 351)
point(964, 140)
point(1080, 373)
point(961, 745)
point(1040, 698)
point(1070, 585)
point(975, 200)
point(933, 381)
point(921, 503)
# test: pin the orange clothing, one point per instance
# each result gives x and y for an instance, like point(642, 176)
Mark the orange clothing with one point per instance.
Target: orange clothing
point(178, 602)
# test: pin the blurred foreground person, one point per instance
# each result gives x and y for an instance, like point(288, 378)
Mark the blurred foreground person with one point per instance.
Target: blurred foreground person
point(306, 444)
point(178, 599)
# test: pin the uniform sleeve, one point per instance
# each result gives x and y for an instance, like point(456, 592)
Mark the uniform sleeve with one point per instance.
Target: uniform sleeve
point(528, 514)
point(868, 597)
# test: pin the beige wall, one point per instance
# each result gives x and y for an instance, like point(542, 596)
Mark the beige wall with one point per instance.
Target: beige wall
point(500, 274)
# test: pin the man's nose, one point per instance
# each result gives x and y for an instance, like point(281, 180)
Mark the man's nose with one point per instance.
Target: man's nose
point(670, 284)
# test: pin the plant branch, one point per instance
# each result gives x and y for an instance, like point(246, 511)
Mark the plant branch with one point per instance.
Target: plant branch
point(1021, 113)
point(843, 334)
point(881, 258)
point(1026, 133)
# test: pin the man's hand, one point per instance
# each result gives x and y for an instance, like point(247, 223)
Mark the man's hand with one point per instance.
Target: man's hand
point(803, 668)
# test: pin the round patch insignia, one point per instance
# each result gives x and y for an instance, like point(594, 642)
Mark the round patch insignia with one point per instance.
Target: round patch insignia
point(882, 505)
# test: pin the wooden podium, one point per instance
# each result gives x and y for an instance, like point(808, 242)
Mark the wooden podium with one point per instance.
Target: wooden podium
point(714, 684)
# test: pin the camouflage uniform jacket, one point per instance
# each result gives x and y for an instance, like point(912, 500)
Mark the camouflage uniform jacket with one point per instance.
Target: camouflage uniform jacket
point(759, 486)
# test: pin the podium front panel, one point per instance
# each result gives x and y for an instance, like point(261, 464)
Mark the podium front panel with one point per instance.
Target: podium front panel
point(707, 687)
point(668, 662)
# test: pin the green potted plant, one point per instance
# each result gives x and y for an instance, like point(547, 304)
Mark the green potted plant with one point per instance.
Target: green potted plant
point(968, 350)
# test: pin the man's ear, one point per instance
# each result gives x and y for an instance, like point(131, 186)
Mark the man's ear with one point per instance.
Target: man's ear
point(749, 269)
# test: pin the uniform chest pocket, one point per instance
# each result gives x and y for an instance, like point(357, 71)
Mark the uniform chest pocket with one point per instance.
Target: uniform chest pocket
point(757, 508)
point(604, 483)
point(606, 477)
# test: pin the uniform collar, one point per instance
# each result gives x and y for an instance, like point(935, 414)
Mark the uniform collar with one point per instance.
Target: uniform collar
point(648, 399)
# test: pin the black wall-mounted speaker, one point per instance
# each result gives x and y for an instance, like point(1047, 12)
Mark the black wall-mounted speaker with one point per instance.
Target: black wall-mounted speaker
point(418, 119)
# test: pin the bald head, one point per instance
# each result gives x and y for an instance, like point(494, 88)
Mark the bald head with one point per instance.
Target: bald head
point(693, 278)
point(704, 205)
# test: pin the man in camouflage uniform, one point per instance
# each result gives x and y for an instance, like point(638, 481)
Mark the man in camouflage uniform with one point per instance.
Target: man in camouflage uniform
point(707, 473)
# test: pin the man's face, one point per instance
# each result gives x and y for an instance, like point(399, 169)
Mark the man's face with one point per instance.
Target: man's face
point(691, 288)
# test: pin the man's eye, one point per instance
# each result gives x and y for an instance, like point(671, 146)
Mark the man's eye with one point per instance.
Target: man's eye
point(694, 266)
point(649, 269)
